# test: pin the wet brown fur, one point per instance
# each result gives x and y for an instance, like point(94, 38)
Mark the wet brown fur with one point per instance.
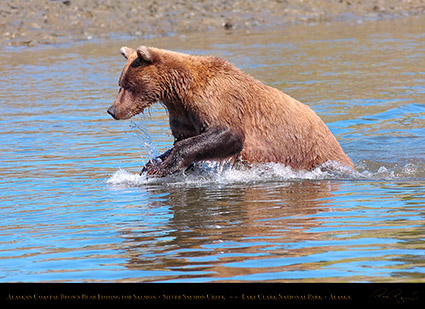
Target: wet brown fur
point(204, 91)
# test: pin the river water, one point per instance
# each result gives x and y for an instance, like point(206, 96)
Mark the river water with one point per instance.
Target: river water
point(74, 208)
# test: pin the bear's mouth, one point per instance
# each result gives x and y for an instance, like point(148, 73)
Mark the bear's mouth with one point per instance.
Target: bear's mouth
point(136, 110)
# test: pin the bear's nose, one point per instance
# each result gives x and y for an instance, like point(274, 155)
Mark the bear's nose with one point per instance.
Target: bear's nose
point(113, 112)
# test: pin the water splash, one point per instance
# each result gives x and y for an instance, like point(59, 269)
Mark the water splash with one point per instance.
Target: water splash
point(148, 147)
point(224, 173)
point(127, 179)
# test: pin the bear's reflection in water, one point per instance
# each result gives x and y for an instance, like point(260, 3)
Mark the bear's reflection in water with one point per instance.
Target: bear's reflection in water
point(212, 226)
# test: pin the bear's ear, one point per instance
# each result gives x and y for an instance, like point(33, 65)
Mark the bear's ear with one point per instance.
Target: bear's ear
point(144, 54)
point(126, 51)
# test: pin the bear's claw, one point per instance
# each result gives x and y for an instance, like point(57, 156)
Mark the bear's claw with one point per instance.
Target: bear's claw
point(152, 167)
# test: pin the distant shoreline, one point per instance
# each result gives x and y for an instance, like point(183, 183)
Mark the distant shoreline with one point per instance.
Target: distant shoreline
point(63, 21)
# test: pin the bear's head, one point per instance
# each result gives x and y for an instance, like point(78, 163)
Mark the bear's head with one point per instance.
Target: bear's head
point(139, 83)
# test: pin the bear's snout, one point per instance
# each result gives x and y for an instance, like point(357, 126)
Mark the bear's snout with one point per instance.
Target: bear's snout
point(113, 112)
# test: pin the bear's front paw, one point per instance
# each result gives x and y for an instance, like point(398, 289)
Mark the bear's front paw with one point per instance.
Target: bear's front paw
point(152, 167)
point(159, 169)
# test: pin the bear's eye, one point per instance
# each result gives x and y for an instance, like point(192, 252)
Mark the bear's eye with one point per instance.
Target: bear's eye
point(127, 86)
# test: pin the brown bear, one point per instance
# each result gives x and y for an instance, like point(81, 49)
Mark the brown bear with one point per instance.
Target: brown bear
point(218, 112)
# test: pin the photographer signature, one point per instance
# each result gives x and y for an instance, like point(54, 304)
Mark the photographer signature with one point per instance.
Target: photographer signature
point(396, 295)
